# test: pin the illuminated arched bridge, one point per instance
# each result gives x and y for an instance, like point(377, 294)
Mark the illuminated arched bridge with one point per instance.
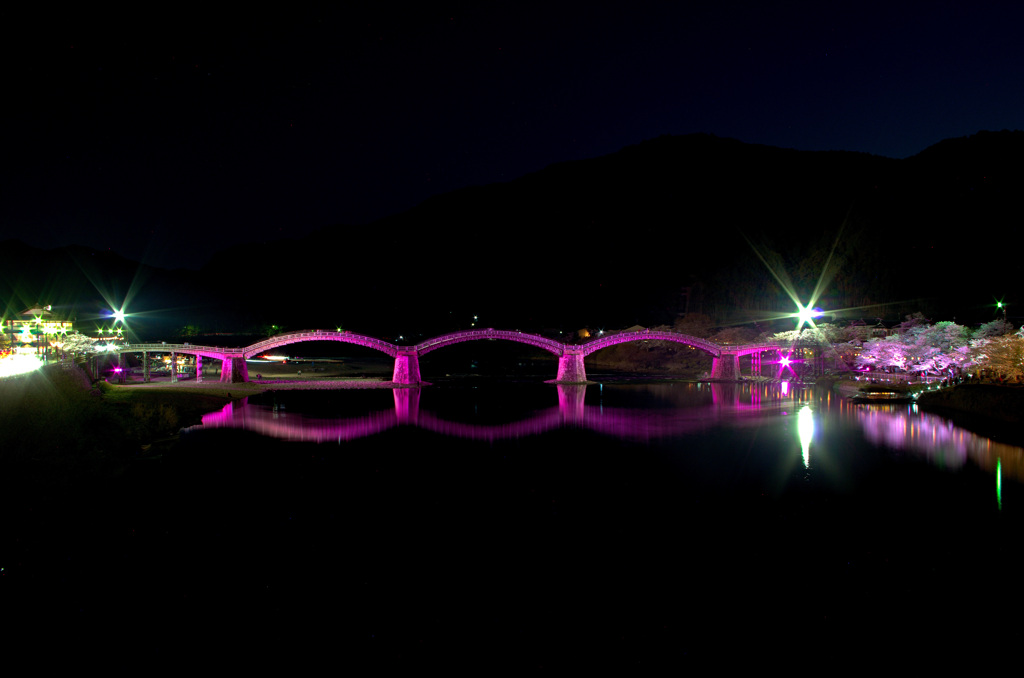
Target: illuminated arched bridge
point(725, 365)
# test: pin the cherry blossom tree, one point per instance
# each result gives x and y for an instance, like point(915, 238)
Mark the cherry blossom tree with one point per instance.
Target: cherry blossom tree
point(920, 347)
point(77, 343)
point(996, 328)
point(883, 352)
point(1003, 355)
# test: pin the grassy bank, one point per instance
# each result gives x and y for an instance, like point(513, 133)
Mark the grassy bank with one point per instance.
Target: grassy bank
point(56, 427)
point(148, 414)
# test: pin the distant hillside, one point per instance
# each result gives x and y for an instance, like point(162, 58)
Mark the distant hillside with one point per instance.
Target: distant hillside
point(633, 237)
point(628, 231)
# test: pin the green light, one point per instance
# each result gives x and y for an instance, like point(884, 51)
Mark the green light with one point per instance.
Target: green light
point(999, 483)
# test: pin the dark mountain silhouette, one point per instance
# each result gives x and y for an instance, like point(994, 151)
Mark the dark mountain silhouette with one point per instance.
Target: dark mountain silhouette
point(672, 224)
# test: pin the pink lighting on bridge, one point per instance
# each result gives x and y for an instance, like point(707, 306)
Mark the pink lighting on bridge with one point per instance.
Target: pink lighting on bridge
point(571, 368)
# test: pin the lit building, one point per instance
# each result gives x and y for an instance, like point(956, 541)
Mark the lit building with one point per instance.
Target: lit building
point(36, 330)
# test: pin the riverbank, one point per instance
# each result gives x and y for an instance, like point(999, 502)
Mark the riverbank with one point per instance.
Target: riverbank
point(993, 410)
point(999, 403)
point(56, 426)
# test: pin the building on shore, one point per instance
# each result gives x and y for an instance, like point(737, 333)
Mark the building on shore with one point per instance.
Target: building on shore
point(37, 330)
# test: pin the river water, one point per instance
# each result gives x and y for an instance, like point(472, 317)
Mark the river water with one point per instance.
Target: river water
point(530, 525)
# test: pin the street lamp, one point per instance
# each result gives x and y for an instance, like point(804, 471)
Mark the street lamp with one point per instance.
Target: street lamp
point(805, 315)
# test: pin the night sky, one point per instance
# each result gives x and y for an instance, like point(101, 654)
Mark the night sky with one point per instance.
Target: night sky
point(178, 128)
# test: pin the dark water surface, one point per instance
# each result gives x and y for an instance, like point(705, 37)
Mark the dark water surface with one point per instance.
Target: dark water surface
point(529, 525)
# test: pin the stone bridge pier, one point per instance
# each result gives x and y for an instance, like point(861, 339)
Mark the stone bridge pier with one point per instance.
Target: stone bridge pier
point(407, 367)
point(570, 368)
point(726, 367)
point(233, 370)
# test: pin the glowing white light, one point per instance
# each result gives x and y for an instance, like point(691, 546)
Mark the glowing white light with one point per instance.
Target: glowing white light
point(805, 428)
point(806, 314)
point(18, 363)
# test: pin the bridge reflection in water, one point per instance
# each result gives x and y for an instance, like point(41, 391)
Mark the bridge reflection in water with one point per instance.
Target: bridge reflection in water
point(631, 423)
point(894, 426)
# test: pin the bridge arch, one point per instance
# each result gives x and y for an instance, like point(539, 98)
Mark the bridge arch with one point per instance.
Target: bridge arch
point(549, 345)
point(650, 335)
point(319, 335)
point(570, 356)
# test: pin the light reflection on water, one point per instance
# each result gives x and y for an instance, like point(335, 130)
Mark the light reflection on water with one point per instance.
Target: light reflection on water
point(623, 519)
point(661, 411)
point(805, 425)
